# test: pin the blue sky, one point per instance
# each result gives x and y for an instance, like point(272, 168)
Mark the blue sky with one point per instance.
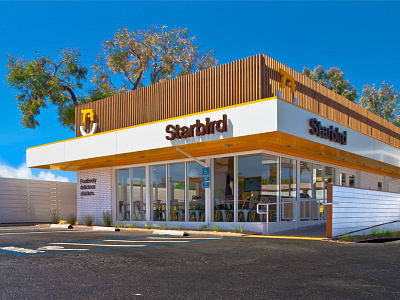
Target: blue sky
point(361, 38)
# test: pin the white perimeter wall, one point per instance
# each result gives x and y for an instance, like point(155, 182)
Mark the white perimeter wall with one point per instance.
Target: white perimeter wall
point(25, 201)
point(101, 201)
point(360, 208)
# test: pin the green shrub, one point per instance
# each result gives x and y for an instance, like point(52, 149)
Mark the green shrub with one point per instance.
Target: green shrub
point(203, 227)
point(374, 232)
point(118, 225)
point(160, 227)
point(55, 216)
point(130, 225)
point(71, 219)
point(89, 219)
point(146, 225)
point(107, 218)
point(239, 229)
point(216, 228)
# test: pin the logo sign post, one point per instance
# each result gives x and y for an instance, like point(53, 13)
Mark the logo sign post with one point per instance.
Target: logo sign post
point(88, 114)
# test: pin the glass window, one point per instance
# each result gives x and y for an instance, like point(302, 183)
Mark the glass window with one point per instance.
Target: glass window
point(138, 184)
point(176, 191)
point(288, 188)
point(196, 193)
point(123, 195)
point(379, 186)
point(352, 180)
point(329, 178)
point(257, 183)
point(158, 192)
point(223, 189)
point(342, 178)
point(305, 190)
point(319, 190)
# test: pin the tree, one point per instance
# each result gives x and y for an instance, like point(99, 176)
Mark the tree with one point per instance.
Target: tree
point(42, 81)
point(332, 79)
point(382, 102)
point(157, 53)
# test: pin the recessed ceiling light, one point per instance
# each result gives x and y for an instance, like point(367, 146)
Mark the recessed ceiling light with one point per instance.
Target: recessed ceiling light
point(142, 156)
point(321, 153)
point(108, 160)
point(344, 159)
point(228, 145)
point(289, 145)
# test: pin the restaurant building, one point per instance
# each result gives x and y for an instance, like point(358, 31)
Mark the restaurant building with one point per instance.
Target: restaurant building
point(206, 148)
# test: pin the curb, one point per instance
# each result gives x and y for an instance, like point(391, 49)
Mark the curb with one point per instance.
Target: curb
point(105, 229)
point(170, 232)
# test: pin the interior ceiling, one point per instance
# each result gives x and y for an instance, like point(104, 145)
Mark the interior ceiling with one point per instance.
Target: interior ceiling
point(273, 141)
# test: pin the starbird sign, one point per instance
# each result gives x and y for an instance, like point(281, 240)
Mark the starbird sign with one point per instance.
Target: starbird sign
point(88, 114)
point(197, 129)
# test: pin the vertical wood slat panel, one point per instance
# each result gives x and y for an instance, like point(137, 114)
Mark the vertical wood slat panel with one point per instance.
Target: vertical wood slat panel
point(318, 99)
point(237, 82)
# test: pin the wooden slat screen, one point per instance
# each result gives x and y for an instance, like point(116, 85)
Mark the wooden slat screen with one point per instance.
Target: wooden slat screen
point(225, 85)
point(246, 80)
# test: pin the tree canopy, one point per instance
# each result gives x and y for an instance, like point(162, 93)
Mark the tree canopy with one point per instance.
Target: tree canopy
point(332, 79)
point(382, 102)
point(43, 81)
point(124, 64)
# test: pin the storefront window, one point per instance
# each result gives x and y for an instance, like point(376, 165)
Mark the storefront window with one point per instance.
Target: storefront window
point(257, 183)
point(123, 195)
point(138, 184)
point(352, 180)
point(288, 188)
point(319, 190)
point(342, 178)
point(196, 193)
point(158, 192)
point(305, 191)
point(223, 189)
point(176, 191)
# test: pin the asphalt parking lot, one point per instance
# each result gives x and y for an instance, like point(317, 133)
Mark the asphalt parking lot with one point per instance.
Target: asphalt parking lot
point(44, 263)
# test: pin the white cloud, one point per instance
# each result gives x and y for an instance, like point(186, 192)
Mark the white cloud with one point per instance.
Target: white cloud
point(23, 172)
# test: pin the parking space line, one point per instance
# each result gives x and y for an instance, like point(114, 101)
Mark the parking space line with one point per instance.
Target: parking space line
point(43, 249)
point(18, 233)
point(102, 245)
point(163, 241)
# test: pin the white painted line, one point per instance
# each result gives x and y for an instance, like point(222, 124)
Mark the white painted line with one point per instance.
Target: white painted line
point(15, 233)
point(22, 228)
point(80, 244)
point(144, 241)
point(59, 248)
point(20, 250)
point(183, 238)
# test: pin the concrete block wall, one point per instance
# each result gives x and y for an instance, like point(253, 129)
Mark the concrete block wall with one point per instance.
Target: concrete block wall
point(102, 198)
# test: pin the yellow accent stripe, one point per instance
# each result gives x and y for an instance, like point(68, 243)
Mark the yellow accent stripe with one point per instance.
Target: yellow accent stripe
point(288, 237)
point(164, 120)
